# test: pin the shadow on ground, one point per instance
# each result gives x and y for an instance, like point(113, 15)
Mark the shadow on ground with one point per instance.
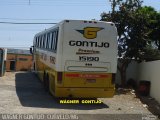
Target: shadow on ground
point(151, 104)
point(31, 93)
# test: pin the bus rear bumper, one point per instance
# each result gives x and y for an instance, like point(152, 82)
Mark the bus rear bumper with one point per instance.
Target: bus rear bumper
point(85, 92)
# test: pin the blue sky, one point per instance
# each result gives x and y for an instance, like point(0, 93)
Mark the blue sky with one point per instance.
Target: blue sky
point(44, 11)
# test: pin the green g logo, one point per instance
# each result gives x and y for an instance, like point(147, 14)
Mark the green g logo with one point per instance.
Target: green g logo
point(90, 32)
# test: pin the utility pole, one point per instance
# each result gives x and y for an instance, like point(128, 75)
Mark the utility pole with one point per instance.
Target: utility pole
point(29, 2)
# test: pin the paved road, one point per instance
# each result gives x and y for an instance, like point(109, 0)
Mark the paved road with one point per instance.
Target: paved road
point(23, 93)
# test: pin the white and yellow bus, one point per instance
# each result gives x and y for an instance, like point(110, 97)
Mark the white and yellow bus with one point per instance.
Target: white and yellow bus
point(77, 58)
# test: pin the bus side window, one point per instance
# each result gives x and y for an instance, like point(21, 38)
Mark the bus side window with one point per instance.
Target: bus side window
point(56, 41)
point(47, 42)
point(42, 44)
point(50, 46)
point(44, 41)
point(35, 41)
point(41, 41)
point(38, 41)
point(52, 40)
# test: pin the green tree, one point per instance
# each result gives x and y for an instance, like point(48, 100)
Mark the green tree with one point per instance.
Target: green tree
point(152, 50)
point(154, 24)
point(134, 31)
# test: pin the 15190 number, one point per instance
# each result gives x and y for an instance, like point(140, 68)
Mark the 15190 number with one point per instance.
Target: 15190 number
point(86, 58)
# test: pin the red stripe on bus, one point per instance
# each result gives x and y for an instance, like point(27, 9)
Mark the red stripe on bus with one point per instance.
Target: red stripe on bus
point(86, 76)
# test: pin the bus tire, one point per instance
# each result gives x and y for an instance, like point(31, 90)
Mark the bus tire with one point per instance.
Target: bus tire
point(34, 66)
point(46, 82)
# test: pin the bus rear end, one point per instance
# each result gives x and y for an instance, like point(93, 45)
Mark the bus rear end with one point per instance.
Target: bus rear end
point(89, 59)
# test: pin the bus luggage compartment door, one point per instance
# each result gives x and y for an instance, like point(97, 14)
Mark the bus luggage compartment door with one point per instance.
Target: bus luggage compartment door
point(82, 74)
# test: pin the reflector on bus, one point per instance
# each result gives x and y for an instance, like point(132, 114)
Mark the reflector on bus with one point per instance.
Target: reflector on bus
point(88, 67)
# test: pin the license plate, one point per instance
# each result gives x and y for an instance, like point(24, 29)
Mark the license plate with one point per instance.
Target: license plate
point(91, 80)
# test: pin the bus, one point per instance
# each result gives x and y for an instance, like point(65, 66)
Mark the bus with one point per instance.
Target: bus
point(77, 58)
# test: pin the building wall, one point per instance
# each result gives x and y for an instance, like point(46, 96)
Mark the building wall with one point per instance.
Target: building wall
point(150, 71)
point(22, 62)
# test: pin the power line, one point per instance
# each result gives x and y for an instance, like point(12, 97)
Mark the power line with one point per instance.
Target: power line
point(13, 47)
point(20, 30)
point(55, 3)
point(73, 5)
point(23, 23)
point(28, 19)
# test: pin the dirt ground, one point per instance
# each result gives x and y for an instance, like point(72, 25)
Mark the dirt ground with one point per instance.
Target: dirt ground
point(23, 93)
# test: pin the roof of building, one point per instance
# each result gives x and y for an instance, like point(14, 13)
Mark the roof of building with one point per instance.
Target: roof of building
point(18, 51)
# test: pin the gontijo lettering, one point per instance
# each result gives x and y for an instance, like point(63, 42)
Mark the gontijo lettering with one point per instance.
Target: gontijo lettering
point(89, 44)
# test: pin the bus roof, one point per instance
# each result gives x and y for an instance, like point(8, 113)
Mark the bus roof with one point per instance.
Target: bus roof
point(63, 21)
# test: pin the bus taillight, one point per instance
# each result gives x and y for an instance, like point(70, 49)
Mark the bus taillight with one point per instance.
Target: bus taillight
point(113, 78)
point(59, 77)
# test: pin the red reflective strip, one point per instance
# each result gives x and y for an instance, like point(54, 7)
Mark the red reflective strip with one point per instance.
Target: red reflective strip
point(86, 75)
point(104, 76)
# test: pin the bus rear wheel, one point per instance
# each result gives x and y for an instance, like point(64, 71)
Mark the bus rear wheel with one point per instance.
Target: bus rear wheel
point(46, 82)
